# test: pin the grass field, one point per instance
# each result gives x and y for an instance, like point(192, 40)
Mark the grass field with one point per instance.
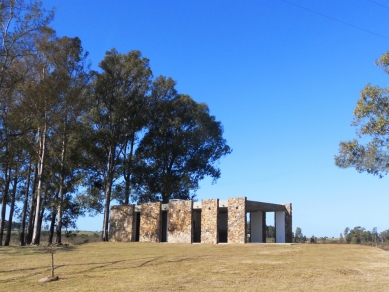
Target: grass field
point(164, 267)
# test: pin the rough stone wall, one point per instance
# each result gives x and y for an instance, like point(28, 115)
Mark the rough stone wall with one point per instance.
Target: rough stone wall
point(121, 225)
point(180, 221)
point(288, 223)
point(237, 220)
point(150, 222)
point(209, 218)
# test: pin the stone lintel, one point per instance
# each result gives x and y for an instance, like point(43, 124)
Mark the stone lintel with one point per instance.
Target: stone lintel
point(197, 205)
point(223, 203)
point(252, 206)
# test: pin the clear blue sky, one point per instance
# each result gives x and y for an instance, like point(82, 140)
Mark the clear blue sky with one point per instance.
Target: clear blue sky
point(282, 80)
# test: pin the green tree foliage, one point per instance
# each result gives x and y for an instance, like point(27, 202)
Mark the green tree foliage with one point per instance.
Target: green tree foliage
point(361, 235)
point(383, 237)
point(21, 24)
point(113, 132)
point(372, 123)
point(299, 236)
point(182, 145)
point(346, 231)
point(270, 231)
point(117, 92)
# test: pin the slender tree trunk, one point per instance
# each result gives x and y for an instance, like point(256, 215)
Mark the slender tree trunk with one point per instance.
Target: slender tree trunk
point(108, 189)
point(52, 264)
point(22, 240)
point(4, 203)
point(36, 232)
point(11, 213)
point(52, 224)
point(127, 172)
point(31, 217)
point(40, 225)
point(61, 189)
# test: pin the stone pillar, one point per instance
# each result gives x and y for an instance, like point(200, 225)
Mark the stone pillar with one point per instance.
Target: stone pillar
point(180, 221)
point(237, 220)
point(256, 226)
point(121, 224)
point(209, 217)
point(150, 222)
point(288, 223)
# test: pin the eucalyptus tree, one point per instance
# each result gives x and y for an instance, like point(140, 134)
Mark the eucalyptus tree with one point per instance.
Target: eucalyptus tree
point(370, 152)
point(41, 100)
point(72, 71)
point(118, 91)
point(20, 23)
point(181, 146)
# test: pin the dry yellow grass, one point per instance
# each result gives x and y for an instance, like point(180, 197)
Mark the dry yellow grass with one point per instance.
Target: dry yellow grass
point(166, 267)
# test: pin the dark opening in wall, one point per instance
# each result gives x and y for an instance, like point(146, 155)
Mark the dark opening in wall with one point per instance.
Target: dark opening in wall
point(222, 226)
point(137, 225)
point(196, 226)
point(164, 226)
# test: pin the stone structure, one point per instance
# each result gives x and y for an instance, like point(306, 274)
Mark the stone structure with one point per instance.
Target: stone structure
point(150, 226)
point(288, 223)
point(209, 221)
point(237, 220)
point(180, 221)
point(122, 223)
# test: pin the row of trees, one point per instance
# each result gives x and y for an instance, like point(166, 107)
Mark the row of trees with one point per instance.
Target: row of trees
point(72, 139)
point(358, 235)
point(361, 235)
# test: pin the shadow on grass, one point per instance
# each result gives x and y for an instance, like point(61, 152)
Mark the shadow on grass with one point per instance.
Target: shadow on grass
point(107, 266)
point(32, 249)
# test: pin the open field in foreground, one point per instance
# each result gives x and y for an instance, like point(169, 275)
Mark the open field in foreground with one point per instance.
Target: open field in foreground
point(164, 267)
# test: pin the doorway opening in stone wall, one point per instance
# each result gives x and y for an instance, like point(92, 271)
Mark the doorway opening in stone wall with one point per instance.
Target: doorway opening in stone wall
point(222, 226)
point(137, 225)
point(164, 226)
point(196, 226)
point(248, 226)
point(270, 227)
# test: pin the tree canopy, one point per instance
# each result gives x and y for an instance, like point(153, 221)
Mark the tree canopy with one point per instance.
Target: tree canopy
point(182, 144)
point(370, 151)
point(73, 140)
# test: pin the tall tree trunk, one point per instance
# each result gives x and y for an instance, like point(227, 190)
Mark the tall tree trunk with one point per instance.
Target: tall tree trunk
point(58, 239)
point(108, 189)
point(31, 217)
point(22, 240)
point(11, 213)
point(127, 171)
point(52, 224)
point(4, 203)
point(42, 151)
point(40, 225)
